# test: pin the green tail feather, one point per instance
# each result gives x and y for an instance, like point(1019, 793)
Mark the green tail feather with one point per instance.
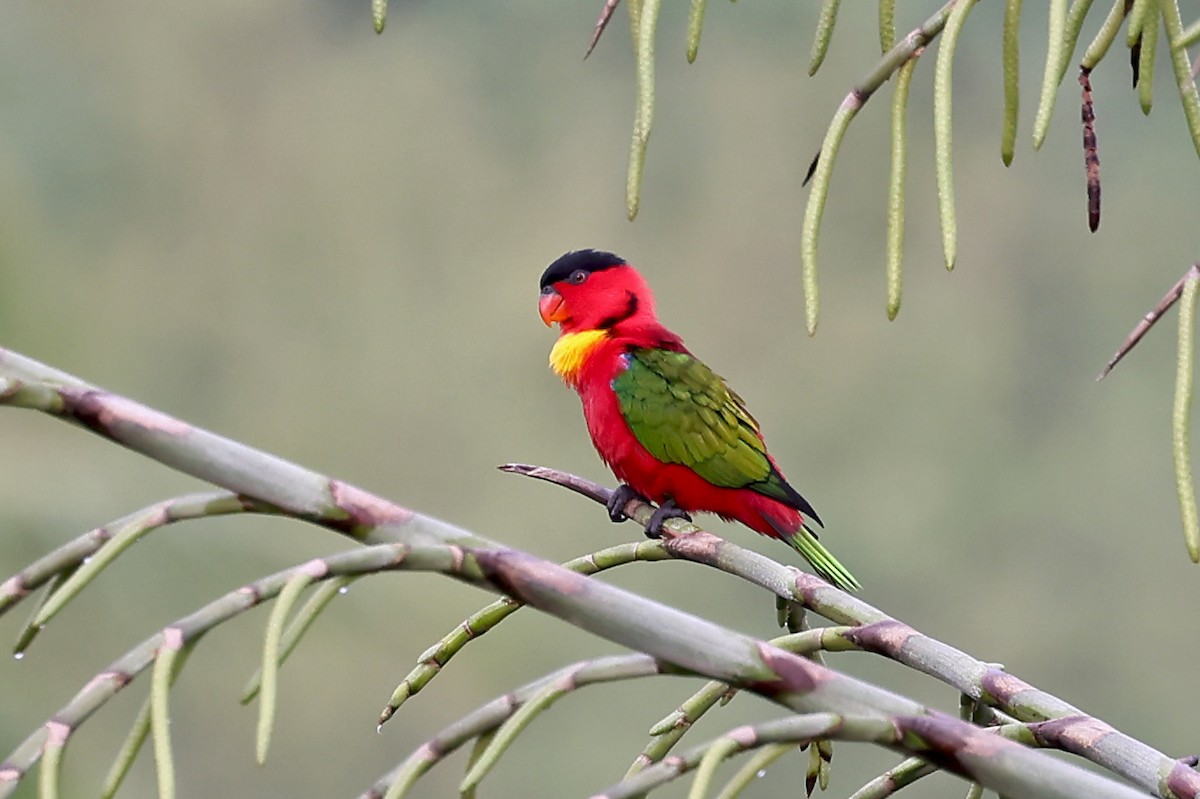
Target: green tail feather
point(822, 560)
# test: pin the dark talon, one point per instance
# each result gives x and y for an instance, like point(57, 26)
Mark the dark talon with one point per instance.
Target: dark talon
point(667, 510)
point(619, 499)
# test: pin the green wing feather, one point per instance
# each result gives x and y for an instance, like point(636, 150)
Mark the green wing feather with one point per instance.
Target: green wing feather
point(682, 412)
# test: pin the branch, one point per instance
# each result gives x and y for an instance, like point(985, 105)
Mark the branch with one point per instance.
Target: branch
point(688, 643)
point(877, 632)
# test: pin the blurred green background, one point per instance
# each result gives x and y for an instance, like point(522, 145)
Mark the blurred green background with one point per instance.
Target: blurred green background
point(264, 219)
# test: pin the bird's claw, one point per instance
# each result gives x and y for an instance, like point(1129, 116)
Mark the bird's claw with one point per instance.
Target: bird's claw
point(667, 510)
point(619, 499)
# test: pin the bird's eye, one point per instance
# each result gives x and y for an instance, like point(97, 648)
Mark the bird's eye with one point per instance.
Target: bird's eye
point(578, 276)
point(547, 290)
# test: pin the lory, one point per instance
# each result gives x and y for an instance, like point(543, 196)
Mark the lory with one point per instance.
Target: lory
point(669, 427)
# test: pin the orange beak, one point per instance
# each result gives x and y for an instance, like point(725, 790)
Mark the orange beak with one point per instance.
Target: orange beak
point(552, 308)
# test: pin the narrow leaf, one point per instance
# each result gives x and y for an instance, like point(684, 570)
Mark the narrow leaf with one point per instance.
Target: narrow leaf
point(1137, 18)
point(695, 26)
point(301, 577)
point(896, 184)
point(140, 729)
point(57, 735)
point(942, 120)
point(1105, 36)
point(1183, 70)
point(379, 10)
point(1180, 417)
point(1075, 17)
point(160, 718)
point(1012, 87)
point(1146, 58)
point(1055, 56)
point(644, 118)
point(887, 25)
point(753, 769)
point(321, 597)
point(720, 750)
point(824, 33)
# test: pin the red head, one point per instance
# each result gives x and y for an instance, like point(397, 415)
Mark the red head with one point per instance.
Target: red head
point(592, 290)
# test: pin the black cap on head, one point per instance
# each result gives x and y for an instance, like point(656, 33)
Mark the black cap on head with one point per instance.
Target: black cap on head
point(587, 260)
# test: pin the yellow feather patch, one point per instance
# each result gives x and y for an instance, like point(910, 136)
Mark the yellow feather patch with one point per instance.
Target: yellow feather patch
point(571, 350)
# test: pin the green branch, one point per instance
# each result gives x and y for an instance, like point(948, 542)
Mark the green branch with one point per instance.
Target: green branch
point(877, 632)
point(686, 642)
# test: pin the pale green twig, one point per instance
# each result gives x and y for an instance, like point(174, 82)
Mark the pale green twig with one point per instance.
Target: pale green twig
point(667, 732)
point(320, 598)
point(431, 662)
point(160, 718)
point(301, 578)
point(57, 735)
point(106, 684)
point(793, 730)
point(32, 628)
point(564, 682)
point(904, 773)
point(131, 529)
point(753, 768)
point(491, 715)
point(720, 750)
point(69, 556)
point(1189, 35)
point(141, 728)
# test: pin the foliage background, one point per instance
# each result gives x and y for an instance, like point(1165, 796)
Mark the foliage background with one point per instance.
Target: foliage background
point(266, 220)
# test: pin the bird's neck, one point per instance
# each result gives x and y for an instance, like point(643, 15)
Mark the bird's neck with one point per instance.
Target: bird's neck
point(576, 349)
point(572, 351)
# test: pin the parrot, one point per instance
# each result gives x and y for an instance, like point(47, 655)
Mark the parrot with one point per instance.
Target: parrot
point(672, 431)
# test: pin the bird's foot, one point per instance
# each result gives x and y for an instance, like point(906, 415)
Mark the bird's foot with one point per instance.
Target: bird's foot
point(619, 499)
point(667, 510)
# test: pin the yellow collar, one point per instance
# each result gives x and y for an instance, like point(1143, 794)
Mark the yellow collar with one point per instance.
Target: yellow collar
point(572, 350)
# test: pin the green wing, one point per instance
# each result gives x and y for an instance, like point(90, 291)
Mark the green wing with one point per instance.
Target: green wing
point(682, 412)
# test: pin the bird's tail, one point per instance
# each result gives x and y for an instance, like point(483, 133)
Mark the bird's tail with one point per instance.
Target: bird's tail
point(805, 542)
